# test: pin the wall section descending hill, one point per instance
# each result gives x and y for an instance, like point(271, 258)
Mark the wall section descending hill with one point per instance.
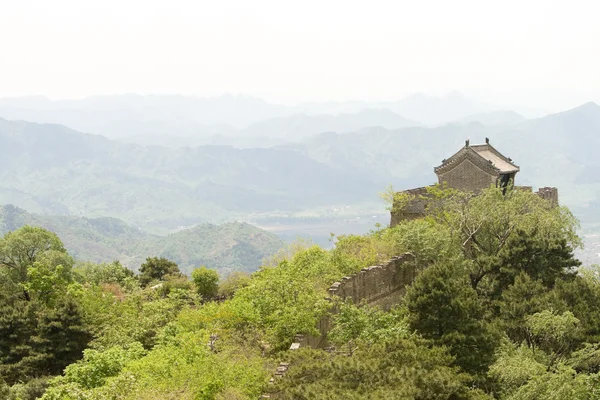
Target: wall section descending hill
point(380, 286)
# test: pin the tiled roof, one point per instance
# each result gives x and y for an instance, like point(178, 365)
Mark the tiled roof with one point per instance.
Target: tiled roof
point(485, 154)
point(498, 160)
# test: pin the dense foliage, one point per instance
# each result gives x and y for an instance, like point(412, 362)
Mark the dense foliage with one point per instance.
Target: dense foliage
point(500, 309)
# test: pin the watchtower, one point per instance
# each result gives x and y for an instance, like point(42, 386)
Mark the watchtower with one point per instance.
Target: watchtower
point(471, 169)
point(476, 167)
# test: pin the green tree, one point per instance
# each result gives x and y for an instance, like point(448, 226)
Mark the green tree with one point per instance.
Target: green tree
point(234, 281)
point(156, 269)
point(4, 389)
point(524, 374)
point(502, 234)
point(581, 296)
point(18, 323)
point(44, 283)
point(407, 368)
point(20, 249)
point(586, 359)
point(443, 306)
point(37, 341)
point(366, 324)
point(94, 369)
point(561, 383)
point(62, 336)
point(523, 298)
point(555, 334)
point(206, 281)
point(544, 259)
point(515, 365)
point(288, 299)
point(32, 389)
point(137, 318)
point(113, 272)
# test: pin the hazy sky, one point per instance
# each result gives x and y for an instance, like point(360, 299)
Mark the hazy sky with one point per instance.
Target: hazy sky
point(544, 53)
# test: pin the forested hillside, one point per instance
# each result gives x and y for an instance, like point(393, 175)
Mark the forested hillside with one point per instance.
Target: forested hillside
point(225, 248)
point(55, 170)
point(498, 310)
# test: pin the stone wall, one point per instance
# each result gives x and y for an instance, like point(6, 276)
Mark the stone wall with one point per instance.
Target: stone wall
point(377, 286)
point(380, 285)
point(524, 188)
point(547, 193)
point(467, 177)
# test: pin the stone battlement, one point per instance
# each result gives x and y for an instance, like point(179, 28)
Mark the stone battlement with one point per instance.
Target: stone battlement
point(378, 285)
point(416, 206)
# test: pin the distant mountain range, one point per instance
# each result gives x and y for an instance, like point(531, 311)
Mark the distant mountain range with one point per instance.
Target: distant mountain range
point(297, 172)
point(556, 150)
point(55, 170)
point(241, 121)
point(275, 131)
point(495, 118)
point(228, 247)
point(300, 126)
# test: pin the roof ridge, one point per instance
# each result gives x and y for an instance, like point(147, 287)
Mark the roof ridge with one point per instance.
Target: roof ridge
point(478, 149)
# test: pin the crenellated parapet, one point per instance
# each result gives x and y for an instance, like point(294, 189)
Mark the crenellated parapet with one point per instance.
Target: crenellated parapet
point(550, 194)
point(378, 285)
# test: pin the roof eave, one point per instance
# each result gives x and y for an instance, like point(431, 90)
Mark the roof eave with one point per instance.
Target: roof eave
point(510, 171)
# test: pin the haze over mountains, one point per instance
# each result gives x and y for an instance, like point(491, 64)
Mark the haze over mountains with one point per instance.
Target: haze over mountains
point(163, 162)
point(215, 120)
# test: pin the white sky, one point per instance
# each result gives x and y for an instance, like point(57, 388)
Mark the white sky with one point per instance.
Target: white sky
point(539, 53)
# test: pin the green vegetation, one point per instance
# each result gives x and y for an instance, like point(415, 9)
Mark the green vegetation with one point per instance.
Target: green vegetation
point(225, 248)
point(157, 269)
point(499, 310)
point(206, 281)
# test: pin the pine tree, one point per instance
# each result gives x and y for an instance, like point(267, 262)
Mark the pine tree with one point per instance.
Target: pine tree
point(444, 307)
point(62, 336)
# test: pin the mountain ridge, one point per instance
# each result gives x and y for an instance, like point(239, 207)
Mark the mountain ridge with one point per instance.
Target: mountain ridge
point(233, 246)
point(61, 171)
point(132, 115)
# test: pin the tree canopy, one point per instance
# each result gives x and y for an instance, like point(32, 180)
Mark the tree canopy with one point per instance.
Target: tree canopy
point(500, 309)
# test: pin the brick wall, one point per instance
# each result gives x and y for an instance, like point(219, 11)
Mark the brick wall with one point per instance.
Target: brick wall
point(467, 177)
